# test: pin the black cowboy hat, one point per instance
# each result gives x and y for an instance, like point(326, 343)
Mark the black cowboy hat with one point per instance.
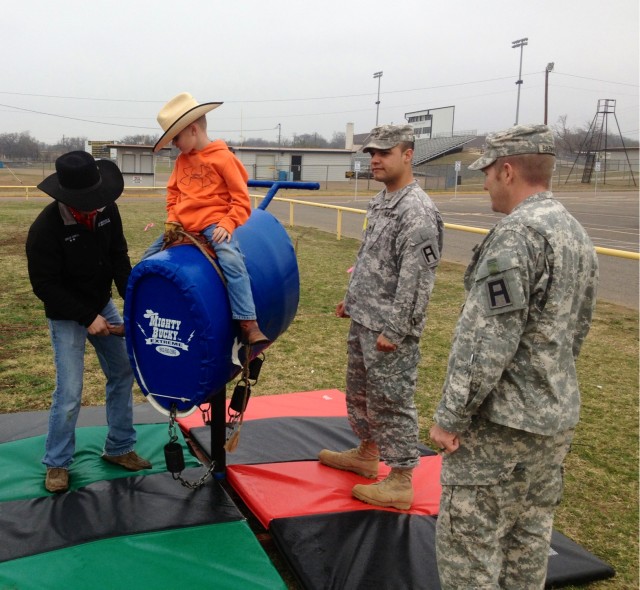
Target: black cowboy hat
point(84, 183)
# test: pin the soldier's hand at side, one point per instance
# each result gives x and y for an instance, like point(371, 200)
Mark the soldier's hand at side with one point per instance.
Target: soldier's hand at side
point(447, 442)
point(383, 344)
point(340, 312)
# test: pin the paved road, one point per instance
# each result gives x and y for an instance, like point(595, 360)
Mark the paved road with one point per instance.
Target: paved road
point(610, 218)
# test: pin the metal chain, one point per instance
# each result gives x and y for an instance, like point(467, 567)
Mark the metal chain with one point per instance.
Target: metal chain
point(173, 437)
point(234, 421)
point(194, 485)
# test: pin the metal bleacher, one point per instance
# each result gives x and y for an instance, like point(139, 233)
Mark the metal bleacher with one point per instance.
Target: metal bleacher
point(426, 149)
point(429, 149)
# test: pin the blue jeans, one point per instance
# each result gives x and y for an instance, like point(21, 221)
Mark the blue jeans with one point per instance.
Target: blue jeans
point(231, 261)
point(68, 339)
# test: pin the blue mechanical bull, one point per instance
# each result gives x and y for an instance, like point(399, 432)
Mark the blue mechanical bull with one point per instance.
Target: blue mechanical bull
point(181, 340)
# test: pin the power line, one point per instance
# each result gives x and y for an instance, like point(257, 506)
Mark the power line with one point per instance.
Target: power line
point(599, 90)
point(74, 118)
point(262, 100)
point(118, 124)
point(596, 79)
point(82, 97)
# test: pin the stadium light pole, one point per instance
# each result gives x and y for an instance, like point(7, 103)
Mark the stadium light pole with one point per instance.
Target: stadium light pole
point(377, 75)
point(548, 69)
point(514, 45)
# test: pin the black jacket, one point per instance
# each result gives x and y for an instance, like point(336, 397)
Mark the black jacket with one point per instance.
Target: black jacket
point(72, 268)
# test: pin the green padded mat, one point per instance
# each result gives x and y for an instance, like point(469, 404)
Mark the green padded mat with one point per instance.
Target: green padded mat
point(22, 472)
point(222, 556)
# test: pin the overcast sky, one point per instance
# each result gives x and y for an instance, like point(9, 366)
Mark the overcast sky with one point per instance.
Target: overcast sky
point(102, 69)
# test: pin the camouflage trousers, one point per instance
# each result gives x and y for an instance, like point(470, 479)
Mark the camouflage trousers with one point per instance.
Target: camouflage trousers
point(499, 493)
point(381, 390)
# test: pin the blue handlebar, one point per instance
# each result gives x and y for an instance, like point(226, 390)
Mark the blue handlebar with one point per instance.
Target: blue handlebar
point(275, 185)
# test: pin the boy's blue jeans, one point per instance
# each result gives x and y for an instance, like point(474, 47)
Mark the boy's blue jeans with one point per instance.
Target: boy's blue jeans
point(68, 339)
point(231, 261)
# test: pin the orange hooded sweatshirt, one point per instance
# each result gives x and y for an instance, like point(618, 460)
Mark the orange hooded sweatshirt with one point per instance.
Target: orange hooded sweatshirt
point(208, 186)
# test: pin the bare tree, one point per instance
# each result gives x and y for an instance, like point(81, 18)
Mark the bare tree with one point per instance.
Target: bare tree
point(338, 139)
point(569, 140)
point(70, 144)
point(143, 139)
point(19, 146)
point(310, 140)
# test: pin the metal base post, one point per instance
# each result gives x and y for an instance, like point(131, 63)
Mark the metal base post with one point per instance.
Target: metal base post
point(219, 433)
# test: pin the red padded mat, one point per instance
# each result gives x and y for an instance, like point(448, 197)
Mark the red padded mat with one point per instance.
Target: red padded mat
point(278, 490)
point(321, 403)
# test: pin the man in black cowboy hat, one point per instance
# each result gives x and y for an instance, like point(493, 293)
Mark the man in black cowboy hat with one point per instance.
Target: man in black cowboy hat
point(76, 249)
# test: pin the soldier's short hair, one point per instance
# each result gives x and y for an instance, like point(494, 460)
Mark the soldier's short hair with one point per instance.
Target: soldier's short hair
point(406, 145)
point(533, 168)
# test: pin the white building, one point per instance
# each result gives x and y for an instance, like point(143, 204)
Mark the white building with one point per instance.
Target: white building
point(432, 123)
point(288, 163)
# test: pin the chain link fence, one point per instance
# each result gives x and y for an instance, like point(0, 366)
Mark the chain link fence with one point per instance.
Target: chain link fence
point(431, 177)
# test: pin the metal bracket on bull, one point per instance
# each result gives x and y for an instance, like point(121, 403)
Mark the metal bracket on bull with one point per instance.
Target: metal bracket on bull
point(240, 397)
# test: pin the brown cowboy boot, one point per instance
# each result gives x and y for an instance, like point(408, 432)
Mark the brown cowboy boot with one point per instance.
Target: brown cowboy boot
point(131, 461)
point(57, 480)
point(396, 491)
point(363, 460)
point(250, 333)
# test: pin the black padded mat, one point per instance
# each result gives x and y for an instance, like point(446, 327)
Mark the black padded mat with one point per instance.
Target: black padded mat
point(363, 549)
point(395, 551)
point(569, 563)
point(279, 440)
point(124, 506)
point(26, 424)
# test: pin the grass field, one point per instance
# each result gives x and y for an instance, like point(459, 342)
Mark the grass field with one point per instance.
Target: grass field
point(600, 508)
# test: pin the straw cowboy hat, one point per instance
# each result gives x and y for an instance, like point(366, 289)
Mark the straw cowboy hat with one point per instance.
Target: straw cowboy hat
point(178, 113)
point(84, 183)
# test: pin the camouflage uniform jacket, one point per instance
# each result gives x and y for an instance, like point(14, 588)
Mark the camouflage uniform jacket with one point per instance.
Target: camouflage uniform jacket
point(395, 270)
point(531, 292)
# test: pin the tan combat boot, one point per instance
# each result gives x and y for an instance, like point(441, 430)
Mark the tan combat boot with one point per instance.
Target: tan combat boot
point(396, 491)
point(363, 460)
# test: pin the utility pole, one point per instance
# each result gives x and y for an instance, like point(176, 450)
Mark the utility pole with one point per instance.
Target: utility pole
point(279, 129)
point(548, 69)
point(514, 45)
point(378, 75)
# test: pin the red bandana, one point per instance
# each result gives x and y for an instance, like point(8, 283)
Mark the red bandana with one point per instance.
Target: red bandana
point(84, 218)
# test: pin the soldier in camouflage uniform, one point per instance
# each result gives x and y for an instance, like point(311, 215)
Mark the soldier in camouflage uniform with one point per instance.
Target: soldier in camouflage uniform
point(510, 399)
point(386, 300)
